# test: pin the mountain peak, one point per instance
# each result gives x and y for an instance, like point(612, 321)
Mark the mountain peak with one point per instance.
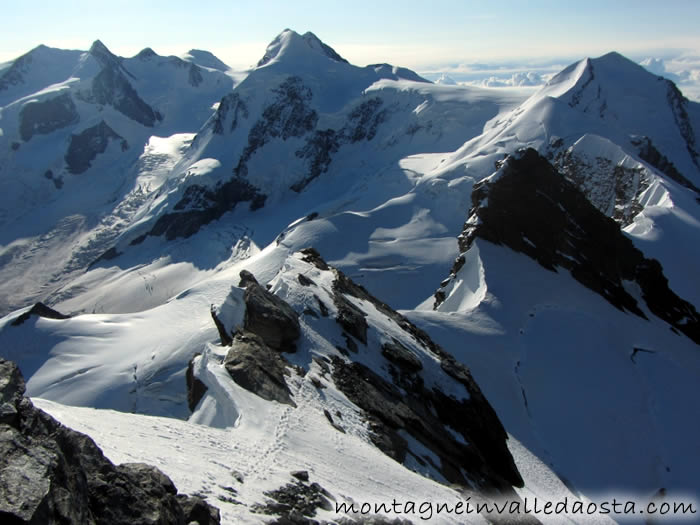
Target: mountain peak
point(206, 59)
point(145, 53)
point(289, 43)
point(103, 55)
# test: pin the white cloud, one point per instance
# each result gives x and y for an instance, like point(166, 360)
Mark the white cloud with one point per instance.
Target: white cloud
point(682, 68)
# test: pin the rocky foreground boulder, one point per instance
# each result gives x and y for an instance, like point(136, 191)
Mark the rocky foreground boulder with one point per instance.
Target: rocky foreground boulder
point(52, 474)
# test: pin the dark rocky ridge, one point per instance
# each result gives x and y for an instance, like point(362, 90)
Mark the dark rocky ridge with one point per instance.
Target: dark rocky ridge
point(268, 316)
point(40, 310)
point(86, 145)
point(289, 115)
point(649, 153)
point(615, 190)
point(51, 474)
point(201, 205)
point(679, 105)
point(270, 327)
point(195, 387)
point(111, 87)
point(43, 117)
point(259, 369)
point(530, 200)
point(405, 404)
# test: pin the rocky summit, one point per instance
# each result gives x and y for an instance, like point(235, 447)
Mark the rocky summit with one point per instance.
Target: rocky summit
point(52, 474)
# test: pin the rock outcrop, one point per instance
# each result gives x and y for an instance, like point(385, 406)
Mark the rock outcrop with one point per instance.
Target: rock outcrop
point(403, 405)
point(253, 365)
point(40, 310)
point(86, 145)
point(51, 474)
point(43, 117)
point(269, 317)
point(533, 209)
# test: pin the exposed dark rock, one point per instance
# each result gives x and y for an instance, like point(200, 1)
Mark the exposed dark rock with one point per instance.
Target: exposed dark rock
point(329, 417)
point(40, 310)
point(318, 151)
point(350, 343)
point(104, 56)
point(42, 117)
point(195, 75)
point(463, 432)
point(15, 74)
point(108, 255)
point(615, 190)
point(305, 281)
point(362, 124)
point(198, 511)
point(649, 153)
point(577, 95)
point(534, 210)
point(295, 502)
point(51, 474)
point(85, 146)
point(230, 105)
point(111, 87)
point(401, 356)
point(679, 108)
point(350, 317)
point(290, 115)
point(322, 306)
point(301, 475)
point(424, 414)
point(310, 255)
point(200, 205)
point(364, 120)
point(226, 338)
point(246, 279)
point(257, 368)
point(195, 388)
point(271, 318)
point(57, 180)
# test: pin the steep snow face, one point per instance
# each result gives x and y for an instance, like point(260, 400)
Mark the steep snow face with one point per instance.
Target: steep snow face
point(590, 390)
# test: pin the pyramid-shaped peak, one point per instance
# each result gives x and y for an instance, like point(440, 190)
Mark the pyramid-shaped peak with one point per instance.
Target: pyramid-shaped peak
point(614, 63)
point(103, 55)
point(289, 43)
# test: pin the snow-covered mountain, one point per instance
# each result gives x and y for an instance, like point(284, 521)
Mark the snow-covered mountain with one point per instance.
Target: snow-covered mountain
point(548, 243)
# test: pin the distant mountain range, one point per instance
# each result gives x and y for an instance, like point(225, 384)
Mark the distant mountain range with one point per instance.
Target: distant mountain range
point(390, 288)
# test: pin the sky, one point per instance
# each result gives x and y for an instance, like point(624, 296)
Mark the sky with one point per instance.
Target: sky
point(467, 39)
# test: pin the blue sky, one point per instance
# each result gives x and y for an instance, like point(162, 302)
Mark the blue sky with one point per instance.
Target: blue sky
point(418, 34)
